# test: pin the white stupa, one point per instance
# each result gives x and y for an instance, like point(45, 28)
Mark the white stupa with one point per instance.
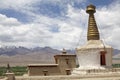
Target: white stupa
point(94, 54)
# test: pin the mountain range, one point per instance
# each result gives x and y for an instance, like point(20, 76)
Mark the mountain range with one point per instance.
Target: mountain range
point(12, 50)
point(23, 56)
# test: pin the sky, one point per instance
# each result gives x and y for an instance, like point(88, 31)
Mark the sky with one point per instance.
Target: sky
point(56, 23)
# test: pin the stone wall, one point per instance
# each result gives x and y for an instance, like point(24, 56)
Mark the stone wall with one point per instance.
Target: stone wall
point(66, 63)
point(114, 76)
point(63, 66)
point(43, 70)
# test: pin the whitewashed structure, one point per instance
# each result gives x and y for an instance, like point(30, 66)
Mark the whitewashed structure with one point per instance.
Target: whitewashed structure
point(94, 54)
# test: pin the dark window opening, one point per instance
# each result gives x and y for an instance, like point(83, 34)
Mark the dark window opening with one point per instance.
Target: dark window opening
point(67, 61)
point(68, 72)
point(102, 58)
point(45, 72)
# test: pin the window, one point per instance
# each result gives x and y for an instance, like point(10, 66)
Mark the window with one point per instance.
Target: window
point(45, 72)
point(68, 72)
point(67, 61)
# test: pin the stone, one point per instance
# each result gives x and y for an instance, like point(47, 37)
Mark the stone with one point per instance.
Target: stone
point(10, 76)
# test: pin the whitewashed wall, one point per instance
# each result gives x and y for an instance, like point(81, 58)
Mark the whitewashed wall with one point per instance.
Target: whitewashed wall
point(89, 55)
point(88, 59)
point(109, 57)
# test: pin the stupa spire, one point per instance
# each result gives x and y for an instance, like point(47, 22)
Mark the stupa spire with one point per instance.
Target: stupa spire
point(93, 33)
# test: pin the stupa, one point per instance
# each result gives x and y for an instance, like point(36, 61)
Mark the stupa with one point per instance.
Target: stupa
point(94, 54)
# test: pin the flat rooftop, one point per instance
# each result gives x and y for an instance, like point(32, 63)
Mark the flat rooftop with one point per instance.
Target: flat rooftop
point(37, 65)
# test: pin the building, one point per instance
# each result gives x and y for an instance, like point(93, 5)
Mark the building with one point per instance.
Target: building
point(94, 54)
point(64, 63)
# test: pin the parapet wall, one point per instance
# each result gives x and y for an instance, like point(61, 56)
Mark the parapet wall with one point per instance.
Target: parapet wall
point(43, 69)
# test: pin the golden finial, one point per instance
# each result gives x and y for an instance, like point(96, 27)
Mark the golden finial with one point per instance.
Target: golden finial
point(93, 33)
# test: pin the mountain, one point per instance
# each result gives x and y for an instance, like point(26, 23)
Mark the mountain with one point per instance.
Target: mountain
point(12, 50)
point(46, 50)
point(116, 52)
point(23, 56)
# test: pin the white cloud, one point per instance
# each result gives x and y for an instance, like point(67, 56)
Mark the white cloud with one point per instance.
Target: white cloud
point(38, 33)
point(17, 4)
point(8, 21)
point(71, 28)
point(108, 22)
point(29, 7)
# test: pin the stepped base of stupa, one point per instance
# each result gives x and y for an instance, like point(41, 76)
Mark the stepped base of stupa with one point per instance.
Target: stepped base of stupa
point(108, 75)
point(100, 71)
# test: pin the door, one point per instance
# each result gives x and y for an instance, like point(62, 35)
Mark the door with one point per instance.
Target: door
point(102, 58)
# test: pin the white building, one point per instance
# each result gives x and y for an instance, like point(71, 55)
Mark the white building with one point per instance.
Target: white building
point(94, 54)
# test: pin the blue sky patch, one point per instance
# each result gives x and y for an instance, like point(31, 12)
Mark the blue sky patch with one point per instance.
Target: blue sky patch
point(15, 14)
point(50, 9)
point(100, 2)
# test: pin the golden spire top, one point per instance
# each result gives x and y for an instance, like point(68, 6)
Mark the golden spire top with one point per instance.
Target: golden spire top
point(93, 33)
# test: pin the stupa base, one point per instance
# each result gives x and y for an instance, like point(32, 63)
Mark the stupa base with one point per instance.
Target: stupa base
point(97, 71)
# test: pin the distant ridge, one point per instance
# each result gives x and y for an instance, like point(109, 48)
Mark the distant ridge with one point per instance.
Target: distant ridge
point(23, 56)
point(13, 50)
point(116, 52)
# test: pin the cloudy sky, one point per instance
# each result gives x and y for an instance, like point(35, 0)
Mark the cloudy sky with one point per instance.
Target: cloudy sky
point(56, 23)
